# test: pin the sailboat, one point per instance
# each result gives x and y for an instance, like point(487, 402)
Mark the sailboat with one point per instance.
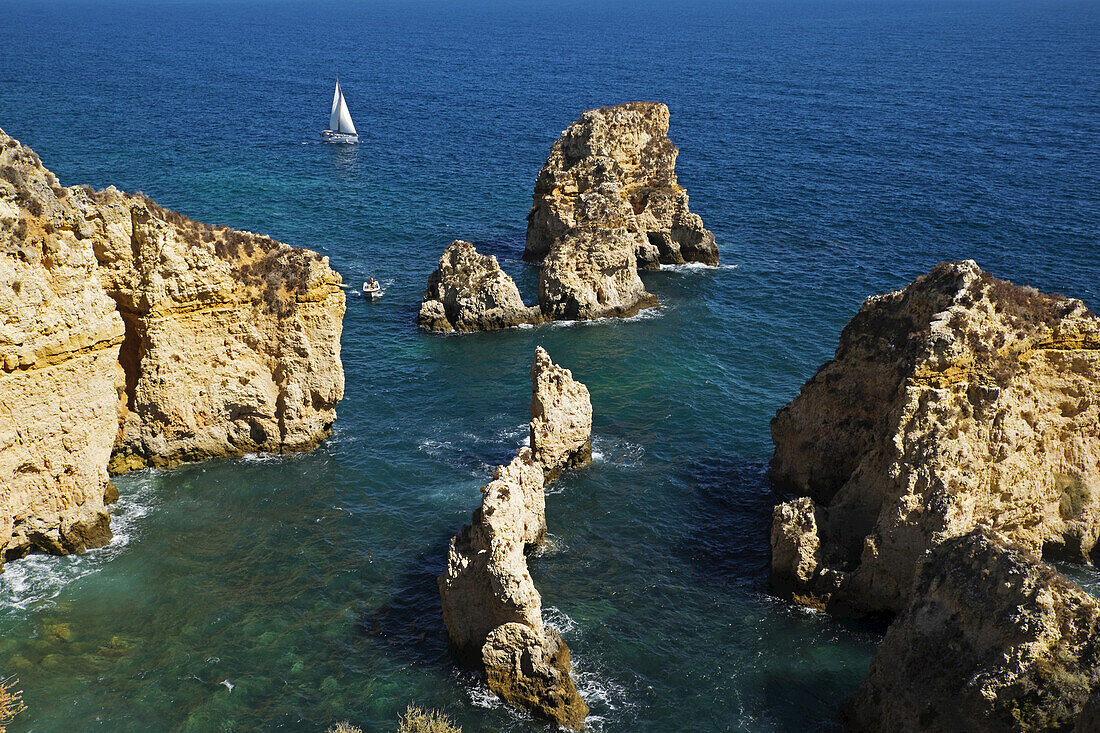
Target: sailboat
point(341, 128)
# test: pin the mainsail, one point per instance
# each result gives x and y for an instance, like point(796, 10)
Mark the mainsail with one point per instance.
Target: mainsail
point(339, 120)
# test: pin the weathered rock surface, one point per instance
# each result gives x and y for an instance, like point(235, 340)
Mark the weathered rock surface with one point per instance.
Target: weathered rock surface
point(561, 417)
point(491, 608)
point(487, 583)
point(134, 335)
point(606, 203)
point(591, 273)
point(59, 372)
point(469, 292)
point(624, 153)
point(958, 401)
point(992, 640)
point(532, 672)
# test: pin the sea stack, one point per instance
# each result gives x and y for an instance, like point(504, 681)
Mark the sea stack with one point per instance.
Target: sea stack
point(469, 292)
point(606, 204)
point(136, 337)
point(491, 608)
point(623, 153)
point(960, 401)
point(992, 640)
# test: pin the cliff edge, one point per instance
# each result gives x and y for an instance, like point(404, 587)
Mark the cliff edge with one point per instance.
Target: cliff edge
point(958, 401)
point(133, 336)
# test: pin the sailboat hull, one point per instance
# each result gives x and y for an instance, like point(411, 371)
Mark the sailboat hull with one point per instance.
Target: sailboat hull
point(331, 136)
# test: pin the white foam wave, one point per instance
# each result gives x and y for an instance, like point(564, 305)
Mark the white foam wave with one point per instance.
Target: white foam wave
point(642, 315)
point(36, 580)
point(690, 266)
point(558, 619)
point(617, 451)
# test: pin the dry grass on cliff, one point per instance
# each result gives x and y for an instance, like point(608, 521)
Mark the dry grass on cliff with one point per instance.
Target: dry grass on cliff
point(11, 702)
point(344, 727)
point(416, 720)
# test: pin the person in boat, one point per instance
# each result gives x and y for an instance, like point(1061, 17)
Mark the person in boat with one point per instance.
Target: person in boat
point(370, 284)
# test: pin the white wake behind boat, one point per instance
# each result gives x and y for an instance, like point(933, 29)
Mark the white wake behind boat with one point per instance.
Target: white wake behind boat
point(341, 128)
point(372, 291)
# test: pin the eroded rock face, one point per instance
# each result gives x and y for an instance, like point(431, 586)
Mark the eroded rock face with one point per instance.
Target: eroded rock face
point(532, 672)
point(561, 417)
point(625, 153)
point(469, 292)
point(487, 583)
point(591, 273)
point(491, 608)
point(136, 336)
point(958, 401)
point(59, 373)
point(232, 339)
point(992, 640)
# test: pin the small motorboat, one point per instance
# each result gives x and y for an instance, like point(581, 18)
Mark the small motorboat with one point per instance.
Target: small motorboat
point(372, 289)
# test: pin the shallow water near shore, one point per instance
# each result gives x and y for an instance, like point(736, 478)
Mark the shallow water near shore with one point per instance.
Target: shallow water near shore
point(836, 150)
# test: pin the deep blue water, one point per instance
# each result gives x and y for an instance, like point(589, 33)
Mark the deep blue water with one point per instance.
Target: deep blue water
point(836, 149)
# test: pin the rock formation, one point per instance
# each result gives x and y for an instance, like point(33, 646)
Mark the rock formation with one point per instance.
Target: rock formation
point(624, 153)
point(491, 609)
point(592, 274)
point(992, 640)
point(958, 401)
point(469, 292)
point(60, 376)
point(561, 417)
point(606, 204)
point(133, 336)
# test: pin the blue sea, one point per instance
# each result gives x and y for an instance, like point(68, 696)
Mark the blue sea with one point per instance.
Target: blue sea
point(837, 149)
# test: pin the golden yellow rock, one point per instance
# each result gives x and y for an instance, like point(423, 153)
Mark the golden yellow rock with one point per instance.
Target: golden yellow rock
point(958, 401)
point(133, 335)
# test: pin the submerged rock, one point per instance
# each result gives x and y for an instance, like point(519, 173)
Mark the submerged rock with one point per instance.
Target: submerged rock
point(958, 401)
point(561, 417)
point(134, 336)
point(491, 608)
point(992, 640)
point(469, 292)
point(624, 152)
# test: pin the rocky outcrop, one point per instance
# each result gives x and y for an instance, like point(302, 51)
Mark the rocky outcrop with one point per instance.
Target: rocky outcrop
point(136, 336)
point(561, 417)
point(59, 373)
point(606, 204)
point(469, 292)
point(958, 401)
point(624, 153)
point(491, 608)
point(992, 640)
point(592, 274)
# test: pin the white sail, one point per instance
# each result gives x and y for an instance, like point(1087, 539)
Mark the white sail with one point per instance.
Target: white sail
point(345, 125)
point(334, 116)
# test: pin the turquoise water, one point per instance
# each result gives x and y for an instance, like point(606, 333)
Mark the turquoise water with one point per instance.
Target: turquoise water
point(836, 150)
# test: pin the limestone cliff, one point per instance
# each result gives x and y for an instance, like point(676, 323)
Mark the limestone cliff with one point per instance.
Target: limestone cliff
point(623, 151)
point(491, 608)
point(992, 640)
point(958, 401)
point(59, 373)
point(133, 335)
point(469, 292)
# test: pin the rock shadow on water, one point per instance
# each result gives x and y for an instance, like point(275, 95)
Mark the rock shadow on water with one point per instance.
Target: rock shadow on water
point(410, 624)
point(728, 511)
